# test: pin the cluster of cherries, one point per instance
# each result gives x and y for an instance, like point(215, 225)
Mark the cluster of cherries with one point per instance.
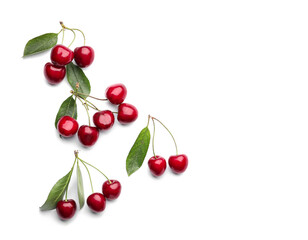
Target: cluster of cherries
point(103, 120)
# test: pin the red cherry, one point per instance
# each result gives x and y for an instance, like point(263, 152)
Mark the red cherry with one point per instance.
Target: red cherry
point(67, 126)
point(103, 120)
point(96, 202)
point(88, 135)
point(84, 56)
point(127, 113)
point(54, 74)
point(178, 163)
point(66, 209)
point(116, 93)
point(157, 165)
point(112, 190)
point(61, 55)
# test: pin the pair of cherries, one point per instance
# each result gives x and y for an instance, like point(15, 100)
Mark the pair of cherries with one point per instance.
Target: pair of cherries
point(96, 201)
point(61, 56)
point(177, 163)
point(103, 120)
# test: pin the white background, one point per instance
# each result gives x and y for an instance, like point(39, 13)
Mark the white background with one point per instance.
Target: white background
point(229, 78)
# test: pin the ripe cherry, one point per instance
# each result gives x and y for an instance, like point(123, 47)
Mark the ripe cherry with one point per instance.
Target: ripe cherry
point(178, 163)
point(54, 74)
point(96, 202)
point(112, 189)
point(84, 56)
point(88, 135)
point(116, 93)
point(157, 165)
point(103, 120)
point(67, 126)
point(127, 113)
point(66, 209)
point(61, 55)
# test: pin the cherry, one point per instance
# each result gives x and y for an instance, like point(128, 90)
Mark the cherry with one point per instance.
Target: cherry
point(157, 165)
point(67, 126)
point(96, 202)
point(112, 189)
point(178, 163)
point(66, 209)
point(116, 93)
point(54, 74)
point(84, 56)
point(61, 55)
point(127, 113)
point(103, 120)
point(88, 135)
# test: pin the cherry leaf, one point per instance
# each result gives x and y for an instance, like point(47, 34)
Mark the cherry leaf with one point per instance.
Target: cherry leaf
point(138, 151)
point(40, 43)
point(67, 108)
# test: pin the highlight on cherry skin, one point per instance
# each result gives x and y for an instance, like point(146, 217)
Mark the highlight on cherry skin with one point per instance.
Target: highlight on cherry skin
point(116, 93)
point(178, 163)
point(157, 165)
point(67, 126)
point(84, 56)
point(88, 135)
point(127, 113)
point(96, 202)
point(111, 189)
point(54, 74)
point(61, 55)
point(66, 209)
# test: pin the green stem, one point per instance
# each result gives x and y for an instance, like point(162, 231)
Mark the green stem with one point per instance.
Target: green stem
point(87, 95)
point(148, 120)
point(87, 109)
point(95, 168)
point(153, 138)
point(176, 147)
point(84, 37)
point(88, 174)
point(70, 178)
point(64, 27)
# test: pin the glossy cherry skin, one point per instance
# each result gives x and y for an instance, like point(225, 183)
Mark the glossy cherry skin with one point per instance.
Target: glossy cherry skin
point(103, 120)
point(66, 209)
point(67, 126)
point(88, 135)
point(116, 93)
point(127, 113)
point(84, 56)
point(157, 165)
point(96, 202)
point(54, 74)
point(112, 190)
point(61, 55)
point(178, 163)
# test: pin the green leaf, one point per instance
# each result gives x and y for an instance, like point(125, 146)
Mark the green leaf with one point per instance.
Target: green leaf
point(76, 75)
point(138, 151)
point(40, 43)
point(80, 187)
point(67, 108)
point(56, 193)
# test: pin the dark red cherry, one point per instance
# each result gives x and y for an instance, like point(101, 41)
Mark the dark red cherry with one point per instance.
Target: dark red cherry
point(67, 126)
point(66, 209)
point(112, 189)
point(157, 165)
point(54, 74)
point(96, 202)
point(116, 93)
point(88, 135)
point(84, 56)
point(103, 120)
point(127, 113)
point(178, 163)
point(61, 55)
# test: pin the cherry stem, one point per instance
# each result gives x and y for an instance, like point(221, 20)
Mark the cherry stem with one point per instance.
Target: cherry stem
point(64, 27)
point(95, 168)
point(87, 109)
point(88, 174)
point(153, 138)
point(148, 120)
point(176, 147)
point(84, 37)
point(100, 99)
point(76, 152)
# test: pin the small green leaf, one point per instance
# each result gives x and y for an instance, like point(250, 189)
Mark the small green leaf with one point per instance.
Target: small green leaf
point(67, 108)
point(138, 151)
point(56, 193)
point(76, 75)
point(40, 43)
point(80, 187)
